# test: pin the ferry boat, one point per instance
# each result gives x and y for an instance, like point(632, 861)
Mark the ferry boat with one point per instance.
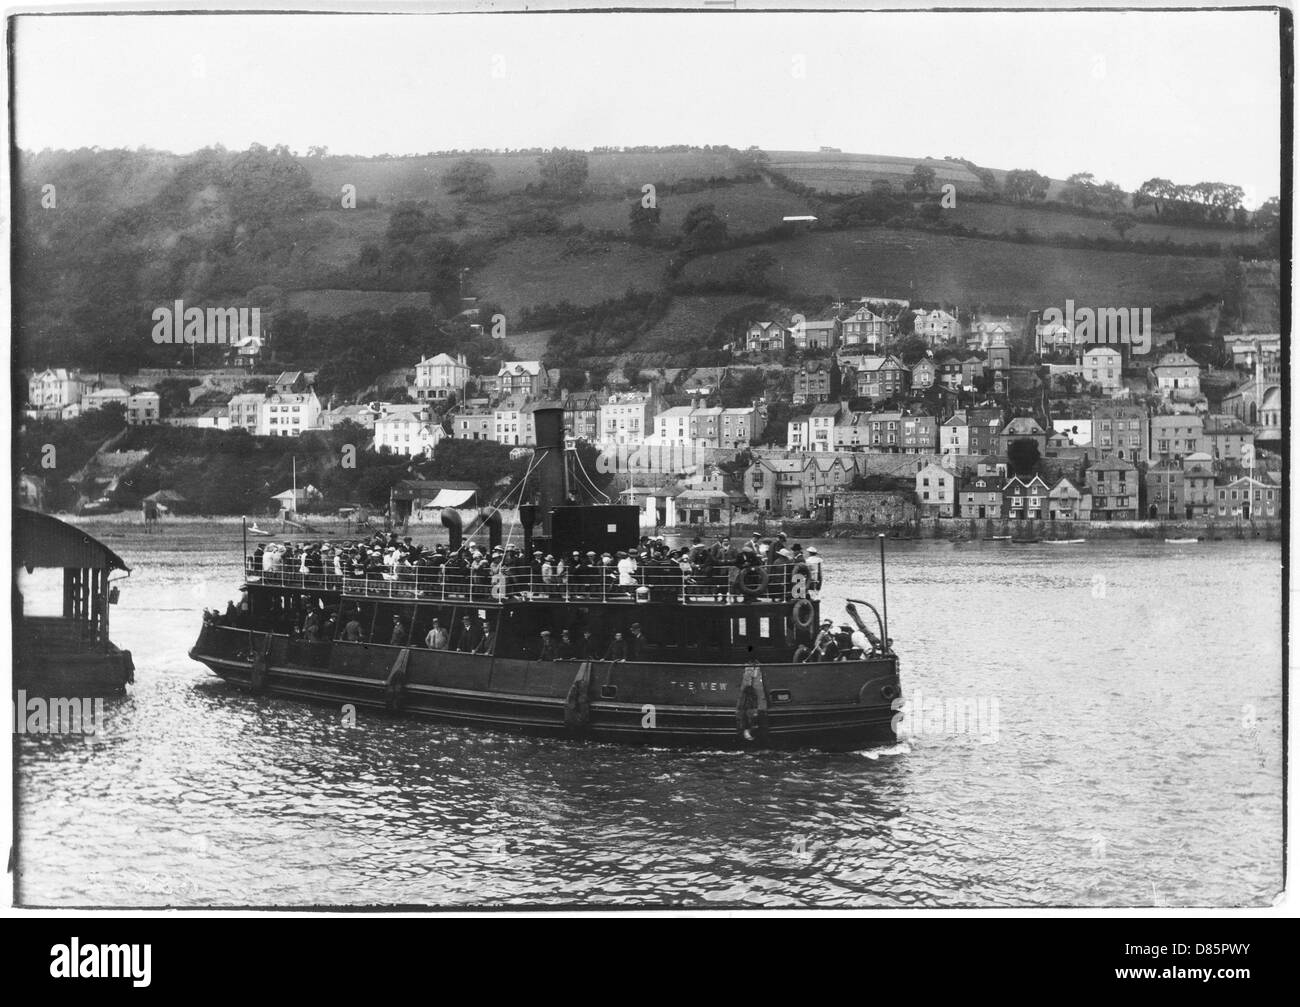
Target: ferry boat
point(731, 657)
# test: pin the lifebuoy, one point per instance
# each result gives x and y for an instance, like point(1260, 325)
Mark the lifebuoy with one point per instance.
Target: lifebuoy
point(801, 654)
point(803, 613)
point(753, 581)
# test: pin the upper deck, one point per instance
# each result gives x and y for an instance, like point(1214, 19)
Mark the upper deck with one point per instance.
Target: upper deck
point(774, 584)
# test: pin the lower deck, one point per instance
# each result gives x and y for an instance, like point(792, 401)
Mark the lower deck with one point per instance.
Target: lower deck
point(842, 705)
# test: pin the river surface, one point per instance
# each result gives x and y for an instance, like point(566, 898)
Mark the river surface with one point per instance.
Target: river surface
point(1112, 738)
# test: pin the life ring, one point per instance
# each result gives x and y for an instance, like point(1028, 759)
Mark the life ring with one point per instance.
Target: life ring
point(748, 576)
point(803, 613)
point(889, 692)
point(801, 654)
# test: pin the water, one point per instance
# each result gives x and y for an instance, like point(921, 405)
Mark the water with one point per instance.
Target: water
point(1127, 752)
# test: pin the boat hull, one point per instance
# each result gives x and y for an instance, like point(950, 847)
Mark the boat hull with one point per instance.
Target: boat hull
point(839, 706)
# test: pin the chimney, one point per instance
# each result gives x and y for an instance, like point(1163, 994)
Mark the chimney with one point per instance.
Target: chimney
point(549, 425)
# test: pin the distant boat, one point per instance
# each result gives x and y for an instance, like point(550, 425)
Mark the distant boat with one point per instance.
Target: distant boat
point(1065, 541)
point(1181, 541)
point(1000, 538)
point(254, 530)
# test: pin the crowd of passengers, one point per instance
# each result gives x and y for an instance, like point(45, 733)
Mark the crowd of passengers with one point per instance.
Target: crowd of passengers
point(717, 571)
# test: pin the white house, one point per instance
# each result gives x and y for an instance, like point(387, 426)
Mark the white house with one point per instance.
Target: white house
point(102, 397)
point(512, 422)
point(936, 489)
point(55, 388)
point(673, 427)
point(142, 409)
point(439, 377)
point(1101, 367)
point(287, 414)
point(626, 418)
point(404, 429)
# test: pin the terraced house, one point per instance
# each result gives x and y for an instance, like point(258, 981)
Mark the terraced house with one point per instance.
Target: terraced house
point(1113, 483)
point(936, 491)
point(1175, 437)
point(1025, 499)
point(1166, 486)
point(981, 497)
point(954, 435)
point(1199, 495)
point(796, 485)
point(1066, 502)
point(1121, 431)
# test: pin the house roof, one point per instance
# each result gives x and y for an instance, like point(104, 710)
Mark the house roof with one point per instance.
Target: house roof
point(1177, 360)
point(532, 367)
point(825, 409)
point(442, 360)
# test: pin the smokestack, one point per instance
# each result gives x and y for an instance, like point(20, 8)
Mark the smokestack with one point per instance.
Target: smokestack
point(549, 424)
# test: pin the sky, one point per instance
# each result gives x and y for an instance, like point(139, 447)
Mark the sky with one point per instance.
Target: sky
point(1189, 96)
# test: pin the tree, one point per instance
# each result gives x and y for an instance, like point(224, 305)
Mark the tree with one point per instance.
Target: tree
point(703, 228)
point(631, 373)
point(1023, 456)
point(643, 221)
point(922, 179)
point(563, 172)
point(1024, 184)
point(1124, 223)
point(1080, 189)
point(471, 177)
point(753, 275)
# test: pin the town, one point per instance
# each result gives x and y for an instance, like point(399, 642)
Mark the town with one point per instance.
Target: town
point(880, 413)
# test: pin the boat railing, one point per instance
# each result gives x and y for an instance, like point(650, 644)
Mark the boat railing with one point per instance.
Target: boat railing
point(649, 582)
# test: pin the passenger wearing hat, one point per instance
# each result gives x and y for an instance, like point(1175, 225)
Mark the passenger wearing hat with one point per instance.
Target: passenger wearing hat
point(436, 638)
point(399, 636)
point(814, 562)
point(564, 650)
point(547, 652)
point(626, 571)
point(825, 647)
point(636, 644)
point(471, 635)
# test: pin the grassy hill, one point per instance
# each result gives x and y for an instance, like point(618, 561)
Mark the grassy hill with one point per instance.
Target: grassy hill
point(140, 228)
point(967, 271)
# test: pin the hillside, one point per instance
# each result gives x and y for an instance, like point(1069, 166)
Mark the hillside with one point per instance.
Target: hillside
point(267, 227)
point(965, 271)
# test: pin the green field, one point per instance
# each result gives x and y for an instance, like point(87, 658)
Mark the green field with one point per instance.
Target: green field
point(345, 302)
point(688, 325)
point(533, 271)
point(969, 271)
point(393, 180)
point(998, 217)
point(746, 208)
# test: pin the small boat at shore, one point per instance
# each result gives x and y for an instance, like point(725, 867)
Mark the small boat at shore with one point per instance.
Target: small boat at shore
point(713, 650)
point(1180, 541)
point(70, 654)
point(1064, 541)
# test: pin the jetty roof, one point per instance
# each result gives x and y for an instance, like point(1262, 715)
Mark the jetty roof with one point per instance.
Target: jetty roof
point(45, 542)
